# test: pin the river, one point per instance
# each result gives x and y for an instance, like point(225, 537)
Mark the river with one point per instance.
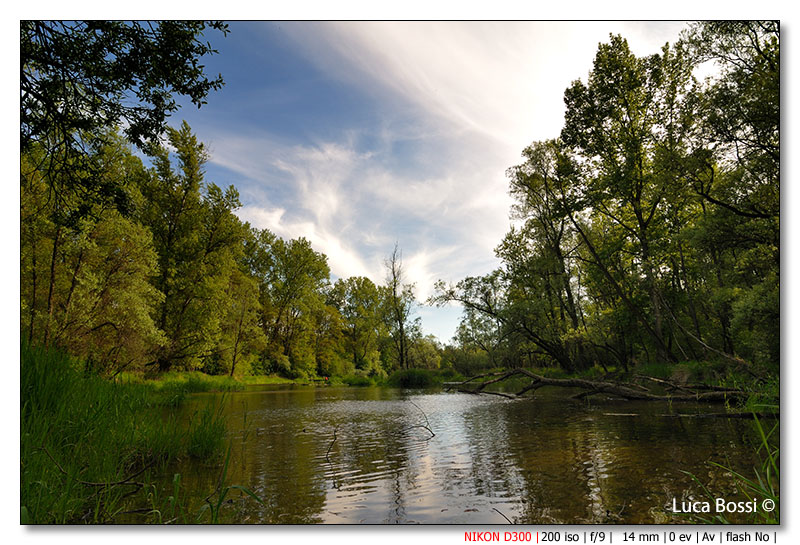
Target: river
point(364, 455)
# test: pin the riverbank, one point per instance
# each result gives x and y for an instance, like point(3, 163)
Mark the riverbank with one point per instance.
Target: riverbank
point(761, 390)
point(179, 383)
point(98, 451)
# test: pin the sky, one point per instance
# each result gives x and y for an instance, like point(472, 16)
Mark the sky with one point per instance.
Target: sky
point(362, 135)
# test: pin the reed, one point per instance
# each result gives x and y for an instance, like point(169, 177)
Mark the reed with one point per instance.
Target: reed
point(88, 445)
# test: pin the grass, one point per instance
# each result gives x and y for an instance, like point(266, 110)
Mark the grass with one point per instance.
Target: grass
point(186, 382)
point(206, 436)
point(266, 379)
point(189, 382)
point(764, 393)
point(88, 446)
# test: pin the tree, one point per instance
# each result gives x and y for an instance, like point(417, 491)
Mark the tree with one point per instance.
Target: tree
point(292, 282)
point(650, 229)
point(735, 168)
point(424, 351)
point(482, 332)
point(326, 339)
point(198, 240)
point(485, 321)
point(87, 289)
point(242, 337)
point(358, 301)
point(738, 127)
point(399, 301)
point(80, 79)
point(627, 128)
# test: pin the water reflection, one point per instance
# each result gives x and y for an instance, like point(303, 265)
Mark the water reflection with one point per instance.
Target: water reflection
point(359, 455)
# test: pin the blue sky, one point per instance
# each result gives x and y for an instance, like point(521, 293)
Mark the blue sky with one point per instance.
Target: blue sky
point(357, 135)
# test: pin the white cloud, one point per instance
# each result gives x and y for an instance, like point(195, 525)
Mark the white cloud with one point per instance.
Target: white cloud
point(353, 208)
point(457, 104)
point(504, 80)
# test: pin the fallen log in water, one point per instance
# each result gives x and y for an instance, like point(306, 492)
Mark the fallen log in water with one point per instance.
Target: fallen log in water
point(739, 414)
point(702, 393)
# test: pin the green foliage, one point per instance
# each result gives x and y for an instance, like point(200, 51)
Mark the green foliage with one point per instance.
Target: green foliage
point(413, 378)
point(183, 284)
point(188, 382)
point(449, 374)
point(423, 352)
point(87, 287)
point(110, 63)
point(647, 234)
point(197, 239)
point(756, 322)
point(78, 429)
point(465, 359)
point(207, 432)
point(81, 79)
point(357, 380)
point(241, 335)
point(358, 301)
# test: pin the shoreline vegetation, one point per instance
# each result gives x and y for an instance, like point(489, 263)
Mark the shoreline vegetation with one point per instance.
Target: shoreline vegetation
point(646, 233)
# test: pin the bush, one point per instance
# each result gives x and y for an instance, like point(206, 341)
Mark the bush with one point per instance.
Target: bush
point(357, 380)
point(413, 378)
point(193, 382)
point(448, 374)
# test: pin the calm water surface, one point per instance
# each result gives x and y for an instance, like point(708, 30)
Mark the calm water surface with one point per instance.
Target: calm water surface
point(360, 455)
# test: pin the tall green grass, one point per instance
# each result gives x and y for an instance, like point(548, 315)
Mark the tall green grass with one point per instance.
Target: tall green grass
point(221, 492)
point(88, 446)
point(206, 436)
point(357, 380)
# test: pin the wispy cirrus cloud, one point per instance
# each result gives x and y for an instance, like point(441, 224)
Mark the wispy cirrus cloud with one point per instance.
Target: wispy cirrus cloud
point(401, 133)
point(504, 80)
point(354, 208)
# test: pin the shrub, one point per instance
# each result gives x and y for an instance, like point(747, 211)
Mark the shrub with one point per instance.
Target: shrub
point(357, 380)
point(413, 378)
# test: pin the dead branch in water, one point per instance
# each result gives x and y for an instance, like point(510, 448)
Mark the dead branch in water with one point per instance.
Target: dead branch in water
point(703, 393)
point(670, 385)
point(331, 445)
point(503, 515)
point(426, 426)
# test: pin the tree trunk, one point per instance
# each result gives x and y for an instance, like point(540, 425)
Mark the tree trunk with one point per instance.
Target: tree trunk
point(33, 281)
point(51, 288)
